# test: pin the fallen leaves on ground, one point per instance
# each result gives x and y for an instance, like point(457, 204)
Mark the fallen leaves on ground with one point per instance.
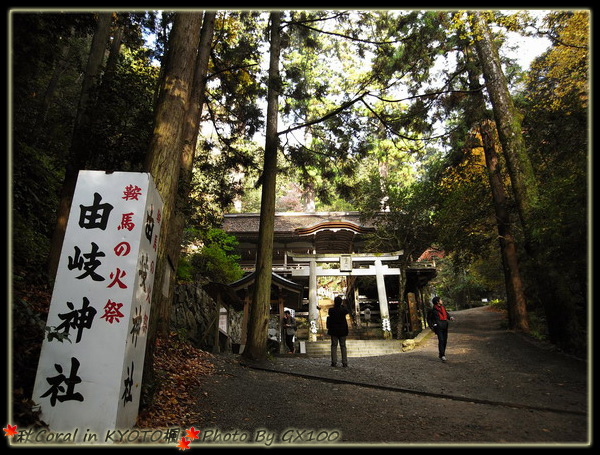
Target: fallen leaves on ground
point(180, 369)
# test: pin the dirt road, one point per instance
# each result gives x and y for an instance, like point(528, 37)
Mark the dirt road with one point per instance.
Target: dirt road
point(497, 388)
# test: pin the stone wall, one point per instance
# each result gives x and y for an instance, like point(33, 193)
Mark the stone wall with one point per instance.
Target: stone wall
point(193, 313)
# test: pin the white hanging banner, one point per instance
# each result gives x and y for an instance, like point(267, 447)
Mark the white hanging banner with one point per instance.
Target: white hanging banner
point(90, 369)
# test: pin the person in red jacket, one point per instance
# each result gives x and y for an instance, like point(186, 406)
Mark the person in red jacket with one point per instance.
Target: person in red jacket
point(440, 318)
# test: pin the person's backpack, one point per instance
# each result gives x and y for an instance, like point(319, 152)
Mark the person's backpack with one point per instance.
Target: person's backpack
point(430, 320)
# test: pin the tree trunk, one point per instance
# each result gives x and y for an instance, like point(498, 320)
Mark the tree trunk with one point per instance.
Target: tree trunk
point(60, 68)
point(163, 162)
point(516, 302)
point(113, 55)
point(256, 344)
point(508, 122)
point(78, 155)
point(190, 135)
point(517, 305)
point(560, 311)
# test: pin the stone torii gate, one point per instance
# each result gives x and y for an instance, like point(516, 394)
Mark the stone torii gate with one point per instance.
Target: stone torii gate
point(346, 268)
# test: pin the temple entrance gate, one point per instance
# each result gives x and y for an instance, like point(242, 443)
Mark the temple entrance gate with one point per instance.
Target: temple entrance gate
point(346, 267)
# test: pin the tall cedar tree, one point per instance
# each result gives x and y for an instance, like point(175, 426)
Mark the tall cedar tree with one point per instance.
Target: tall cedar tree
point(516, 302)
point(561, 315)
point(508, 122)
point(164, 161)
point(256, 342)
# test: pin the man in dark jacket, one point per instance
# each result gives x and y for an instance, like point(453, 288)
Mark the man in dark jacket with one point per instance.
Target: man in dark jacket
point(338, 330)
point(440, 318)
point(289, 328)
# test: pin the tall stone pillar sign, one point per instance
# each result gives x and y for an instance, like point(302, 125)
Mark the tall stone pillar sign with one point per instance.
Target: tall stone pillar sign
point(90, 369)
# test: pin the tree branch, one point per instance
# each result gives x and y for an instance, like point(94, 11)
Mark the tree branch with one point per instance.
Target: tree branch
point(425, 95)
point(330, 114)
point(359, 40)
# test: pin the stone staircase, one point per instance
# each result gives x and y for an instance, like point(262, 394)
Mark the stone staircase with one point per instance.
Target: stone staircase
point(365, 342)
point(357, 348)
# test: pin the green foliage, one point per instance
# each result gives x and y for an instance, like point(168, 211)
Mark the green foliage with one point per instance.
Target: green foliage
point(122, 127)
point(464, 280)
point(498, 304)
point(464, 215)
point(556, 124)
point(538, 324)
point(27, 324)
point(54, 334)
point(216, 264)
point(36, 183)
point(49, 53)
point(215, 259)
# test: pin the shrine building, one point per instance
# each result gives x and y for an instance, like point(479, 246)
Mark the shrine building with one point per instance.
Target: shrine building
point(319, 255)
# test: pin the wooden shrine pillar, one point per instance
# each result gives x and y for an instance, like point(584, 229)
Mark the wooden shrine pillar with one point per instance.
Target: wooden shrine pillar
point(245, 318)
point(413, 313)
point(280, 305)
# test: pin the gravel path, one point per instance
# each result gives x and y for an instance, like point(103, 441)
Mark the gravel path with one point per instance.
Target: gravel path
point(497, 387)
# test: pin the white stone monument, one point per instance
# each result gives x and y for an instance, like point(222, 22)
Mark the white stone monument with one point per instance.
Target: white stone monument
point(90, 369)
